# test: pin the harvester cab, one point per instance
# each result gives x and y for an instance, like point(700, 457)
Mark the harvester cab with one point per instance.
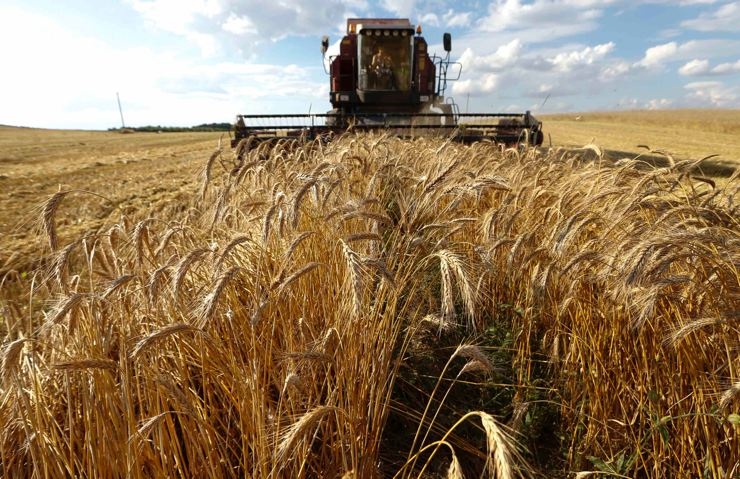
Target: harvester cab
point(383, 77)
point(384, 69)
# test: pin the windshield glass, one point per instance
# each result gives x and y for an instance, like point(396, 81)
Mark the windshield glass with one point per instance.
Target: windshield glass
point(385, 61)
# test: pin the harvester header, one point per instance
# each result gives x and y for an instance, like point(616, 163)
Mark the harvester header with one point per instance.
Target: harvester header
point(384, 77)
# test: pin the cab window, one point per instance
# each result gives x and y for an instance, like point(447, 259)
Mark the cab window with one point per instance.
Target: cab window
point(385, 60)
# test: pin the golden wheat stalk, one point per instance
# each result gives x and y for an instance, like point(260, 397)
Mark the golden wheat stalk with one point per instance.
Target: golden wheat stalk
point(451, 265)
point(295, 209)
point(146, 342)
point(285, 283)
point(354, 268)
point(10, 358)
point(207, 171)
point(83, 364)
point(204, 311)
point(117, 284)
point(301, 430)
point(183, 266)
point(48, 211)
point(64, 307)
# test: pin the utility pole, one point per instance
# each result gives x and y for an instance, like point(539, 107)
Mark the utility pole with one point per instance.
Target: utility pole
point(120, 110)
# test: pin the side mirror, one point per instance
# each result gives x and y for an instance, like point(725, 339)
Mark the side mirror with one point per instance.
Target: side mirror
point(447, 42)
point(324, 44)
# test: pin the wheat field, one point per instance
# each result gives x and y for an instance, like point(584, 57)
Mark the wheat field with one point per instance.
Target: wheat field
point(372, 307)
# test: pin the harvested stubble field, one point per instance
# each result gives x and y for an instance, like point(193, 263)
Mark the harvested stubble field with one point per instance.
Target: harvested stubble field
point(682, 134)
point(366, 308)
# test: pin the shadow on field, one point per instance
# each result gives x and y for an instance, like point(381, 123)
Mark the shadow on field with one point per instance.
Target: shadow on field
point(710, 167)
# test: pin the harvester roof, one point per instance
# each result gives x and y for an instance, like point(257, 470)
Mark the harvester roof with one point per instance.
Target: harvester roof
point(357, 25)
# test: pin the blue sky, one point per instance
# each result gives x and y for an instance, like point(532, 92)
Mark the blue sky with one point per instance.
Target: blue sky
point(186, 62)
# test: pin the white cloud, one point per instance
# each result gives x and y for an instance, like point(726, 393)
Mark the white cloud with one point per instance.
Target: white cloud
point(725, 18)
point(614, 70)
point(156, 87)
point(651, 104)
point(238, 25)
point(74, 69)
point(714, 93)
point(658, 56)
point(683, 3)
point(659, 104)
point(430, 19)
point(504, 57)
point(248, 23)
point(450, 19)
point(726, 68)
point(702, 67)
point(545, 88)
point(569, 61)
point(546, 15)
point(629, 104)
point(543, 76)
point(694, 67)
point(402, 8)
point(482, 85)
point(513, 53)
point(456, 19)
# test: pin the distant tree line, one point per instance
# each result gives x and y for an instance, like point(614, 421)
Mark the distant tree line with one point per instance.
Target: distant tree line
point(174, 129)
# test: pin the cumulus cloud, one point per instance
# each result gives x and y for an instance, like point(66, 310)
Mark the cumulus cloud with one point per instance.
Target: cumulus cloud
point(702, 67)
point(572, 70)
point(209, 23)
point(504, 57)
point(239, 25)
point(714, 93)
point(402, 8)
point(450, 19)
point(156, 86)
point(456, 19)
point(726, 68)
point(176, 16)
point(658, 104)
point(639, 104)
point(430, 19)
point(566, 62)
point(683, 3)
point(482, 85)
point(725, 18)
point(658, 56)
point(514, 52)
point(83, 67)
point(558, 17)
point(694, 67)
point(614, 70)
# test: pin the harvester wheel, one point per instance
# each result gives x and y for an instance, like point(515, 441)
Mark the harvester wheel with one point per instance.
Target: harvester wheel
point(539, 138)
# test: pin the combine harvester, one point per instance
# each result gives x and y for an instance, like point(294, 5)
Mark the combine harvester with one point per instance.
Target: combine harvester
point(384, 79)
